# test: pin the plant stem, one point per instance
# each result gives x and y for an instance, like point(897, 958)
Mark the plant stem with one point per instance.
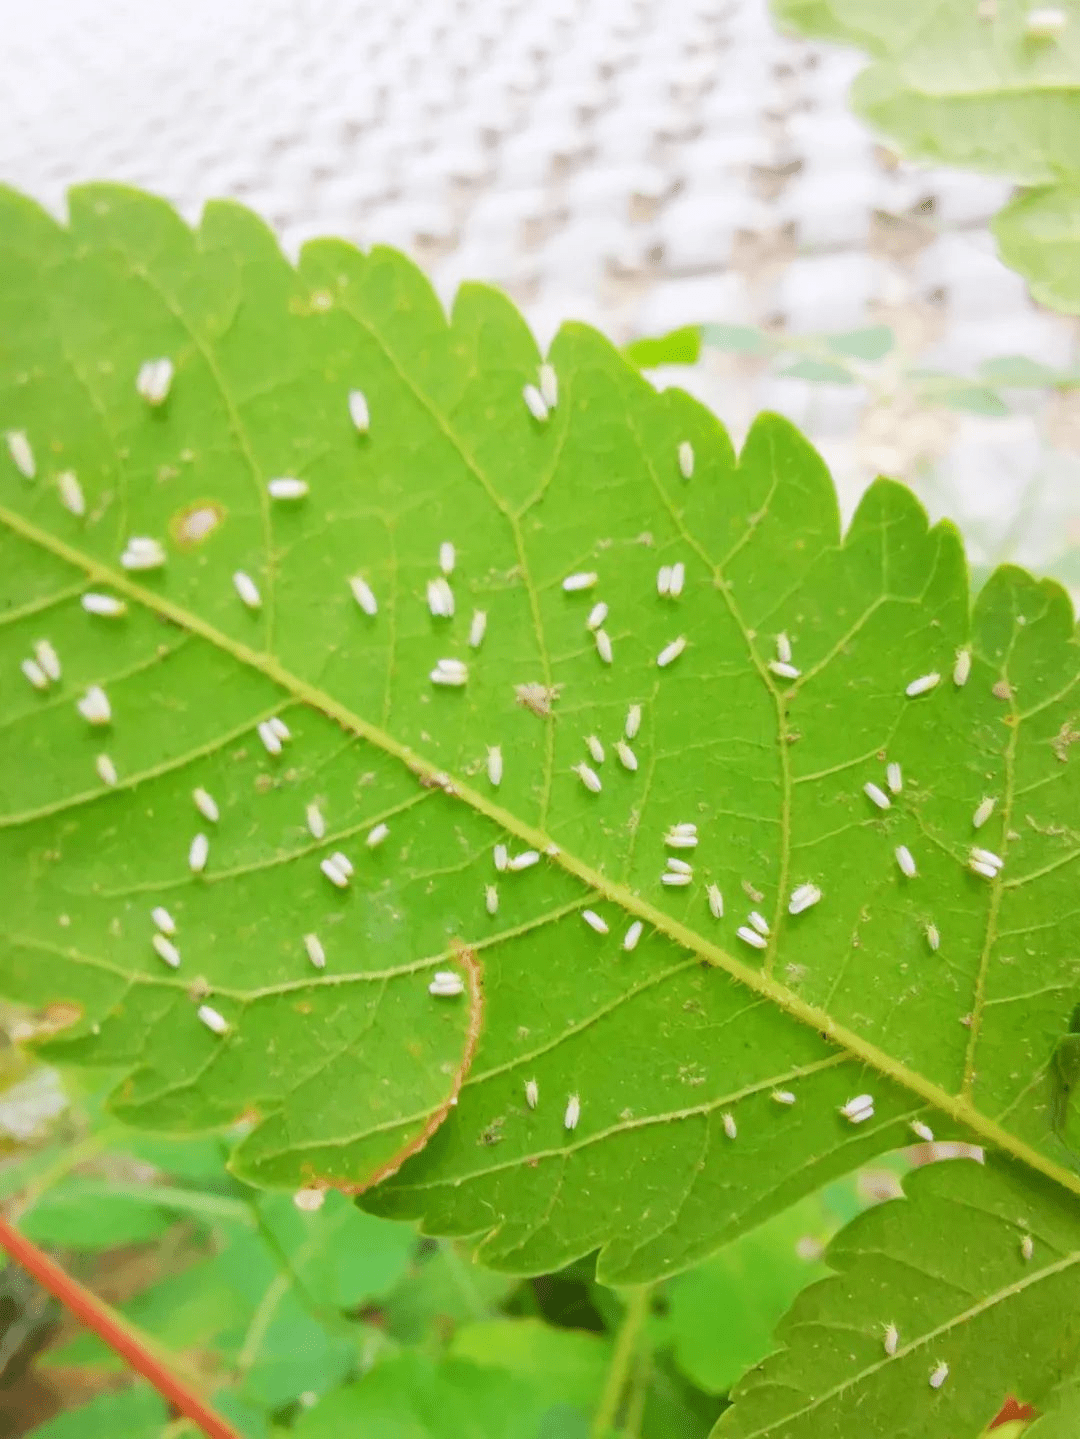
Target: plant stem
point(622, 1358)
point(116, 1333)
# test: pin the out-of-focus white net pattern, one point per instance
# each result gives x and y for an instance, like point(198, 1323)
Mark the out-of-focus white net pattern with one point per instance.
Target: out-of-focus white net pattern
point(639, 164)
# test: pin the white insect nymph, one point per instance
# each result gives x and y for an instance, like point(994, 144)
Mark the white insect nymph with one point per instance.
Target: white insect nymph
point(803, 896)
point(858, 1109)
point(678, 580)
point(891, 1339)
point(782, 1096)
point(751, 937)
point(783, 648)
point(906, 861)
point(71, 493)
point(212, 1019)
point(962, 667)
point(987, 857)
point(315, 951)
point(525, 860)
point(440, 598)
point(358, 411)
point(495, 764)
point(94, 706)
point(454, 673)
point(163, 919)
point(595, 748)
point(686, 459)
point(376, 835)
point(343, 862)
point(573, 1112)
point(663, 580)
point(534, 403)
point(681, 836)
point(923, 685)
point(785, 670)
point(35, 674)
point(143, 553)
point(939, 1374)
point(876, 795)
point(594, 921)
point(633, 721)
point(309, 1201)
point(287, 487)
point(532, 1093)
point(676, 879)
point(491, 898)
point(477, 629)
point(1027, 1248)
point(894, 777)
point(670, 653)
point(447, 557)
point(589, 778)
point(279, 727)
point(447, 984)
point(983, 810)
point(760, 923)
point(597, 615)
point(205, 804)
point(47, 658)
point(198, 853)
point(500, 856)
point(632, 935)
point(922, 1131)
point(583, 580)
point(626, 756)
point(316, 822)
point(549, 386)
point(731, 1129)
point(716, 901)
point(933, 936)
point(334, 873)
point(106, 605)
point(269, 736)
point(166, 951)
point(247, 589)
point(22, 456)
point(154, 381)
point(364, 595)
point(603, 646)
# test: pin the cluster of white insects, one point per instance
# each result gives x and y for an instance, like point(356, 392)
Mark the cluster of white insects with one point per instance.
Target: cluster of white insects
point(141, 553)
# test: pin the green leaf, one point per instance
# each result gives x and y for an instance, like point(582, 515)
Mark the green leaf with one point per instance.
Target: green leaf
point(75, 1215)
point(1019, 372)
point(413, 1398)
point(569, 1365)
point(1059, 1414)
point(954, 85)
point(967, 1297)
point(821, 370)
point(1038, 234)
point(445, 1288)
point(722, 1313)
point(344, 1073)
point(136, 1413)
point(677, 347)
point(873, 342)
point(738, 339)
point(954, 394)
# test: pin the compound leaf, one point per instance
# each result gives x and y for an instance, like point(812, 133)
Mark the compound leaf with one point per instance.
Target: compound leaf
point(344, 1072)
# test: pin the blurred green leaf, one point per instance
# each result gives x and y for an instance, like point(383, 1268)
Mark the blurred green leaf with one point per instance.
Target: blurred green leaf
point(738, 339)
point(76, 1215)
point(341, 1255)
point(568, 1364)
point(873, 342)
point(445, 1287)
point(412, 1397)
point(298, 1354)
point(820, 370)
point(135, 1413)
point(963, 395)
point(1018, 371)
point(677, 347)
point(1038, 234)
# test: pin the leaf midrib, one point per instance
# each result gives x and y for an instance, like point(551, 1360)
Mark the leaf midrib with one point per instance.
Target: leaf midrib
point(956, 1107)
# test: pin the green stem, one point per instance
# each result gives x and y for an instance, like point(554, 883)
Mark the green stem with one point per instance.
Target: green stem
point(622, 1358)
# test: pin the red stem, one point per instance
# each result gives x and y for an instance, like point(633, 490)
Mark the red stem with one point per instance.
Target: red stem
point(108, 1326)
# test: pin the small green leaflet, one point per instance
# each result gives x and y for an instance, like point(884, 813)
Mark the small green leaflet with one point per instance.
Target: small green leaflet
point(680, 1037)
point(947, 1301)
point(989, 87)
